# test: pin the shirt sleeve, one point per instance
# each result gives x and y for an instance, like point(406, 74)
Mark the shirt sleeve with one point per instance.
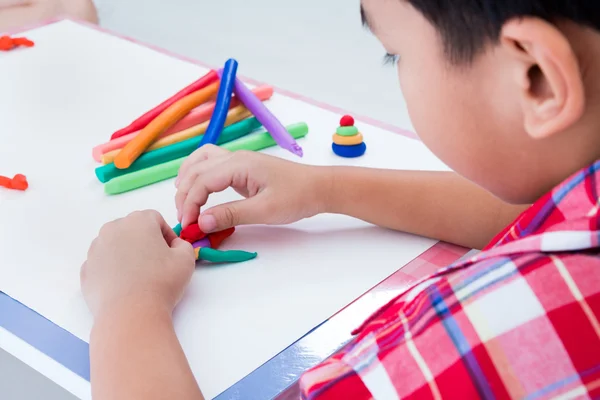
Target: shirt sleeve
point(469, 333)
point(368, 367)
point(412, 348)
point(333, 380)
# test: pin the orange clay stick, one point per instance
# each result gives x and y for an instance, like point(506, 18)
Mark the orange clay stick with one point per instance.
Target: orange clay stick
point(164, 121)
point(234, 115)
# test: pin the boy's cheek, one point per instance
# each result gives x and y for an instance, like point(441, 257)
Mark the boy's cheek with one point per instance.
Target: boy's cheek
point(429, 109)
point(444, 116)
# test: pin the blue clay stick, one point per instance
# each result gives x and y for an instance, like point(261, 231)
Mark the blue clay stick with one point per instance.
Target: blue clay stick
point(217, 121)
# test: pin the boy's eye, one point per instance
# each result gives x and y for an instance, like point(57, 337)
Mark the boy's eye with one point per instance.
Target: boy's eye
point(390, 59)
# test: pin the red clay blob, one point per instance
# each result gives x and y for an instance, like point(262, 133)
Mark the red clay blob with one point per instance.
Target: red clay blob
point(347, 120)
point(7, 43)
point(192, 233)
point(217, 238)
point(19, 182)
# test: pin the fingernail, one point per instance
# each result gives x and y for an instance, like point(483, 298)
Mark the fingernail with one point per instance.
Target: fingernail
point(208, 223)
point(183, 222)
point(177, 181)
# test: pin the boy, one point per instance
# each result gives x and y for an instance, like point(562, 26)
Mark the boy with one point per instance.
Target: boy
point(506, 94)
point(18, 13)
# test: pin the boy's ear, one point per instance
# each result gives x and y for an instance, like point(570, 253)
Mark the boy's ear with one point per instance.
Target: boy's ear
point(552, 93)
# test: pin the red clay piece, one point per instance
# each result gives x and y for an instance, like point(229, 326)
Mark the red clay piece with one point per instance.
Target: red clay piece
point(217, 238)
point(19, 182)
point(192, 233)
point(5, 182)
point(7, 43)
point(347, 120)
point(148, 117)
point(21, 41)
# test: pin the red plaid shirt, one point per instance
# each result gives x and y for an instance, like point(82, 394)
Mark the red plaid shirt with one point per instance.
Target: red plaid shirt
point(518, 320)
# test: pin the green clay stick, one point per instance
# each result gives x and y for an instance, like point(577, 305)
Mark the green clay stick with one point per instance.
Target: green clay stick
point(143, 177)
point(177, 150)
point(161, 172)
point(177, 229)
point(230, 256)
point(264, 140)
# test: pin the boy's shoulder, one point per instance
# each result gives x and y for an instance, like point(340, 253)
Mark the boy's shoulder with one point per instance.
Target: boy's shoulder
point(519, 318)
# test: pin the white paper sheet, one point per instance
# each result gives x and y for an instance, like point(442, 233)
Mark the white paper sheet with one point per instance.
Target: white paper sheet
point(68, 94)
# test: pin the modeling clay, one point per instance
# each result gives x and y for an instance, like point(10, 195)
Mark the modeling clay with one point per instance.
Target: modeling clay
point(347, 120)
point(259, 141)
point(212, 240)
point(347, 131)
point(177, 229)
point(177, 150)
point(217, 121)
point(205, 247)
point(19, 182)
point(143, 177)
point(235, 115)
point(349, 151)
point(157, 173)
point(164, 121)
point(347, 140)
point(197, 116)
point(21, 41)
point(218, 256)
point(7, 43)
point(217, 238)
point(269, 121)
point(145, 119)
point(192, 233)
point(201, 243)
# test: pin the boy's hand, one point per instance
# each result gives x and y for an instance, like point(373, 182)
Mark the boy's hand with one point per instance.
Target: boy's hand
point(136, 259)
point(18, 13)
point(276, 191)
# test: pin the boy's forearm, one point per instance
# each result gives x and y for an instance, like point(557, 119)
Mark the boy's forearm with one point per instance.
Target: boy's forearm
point(135, 354)
point(438, 205)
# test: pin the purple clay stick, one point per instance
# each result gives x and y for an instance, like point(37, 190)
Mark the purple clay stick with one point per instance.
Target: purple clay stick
point(202, 243)
point(266, 118)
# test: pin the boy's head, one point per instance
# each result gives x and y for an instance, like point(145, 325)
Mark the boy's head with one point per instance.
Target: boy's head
point(505, 92)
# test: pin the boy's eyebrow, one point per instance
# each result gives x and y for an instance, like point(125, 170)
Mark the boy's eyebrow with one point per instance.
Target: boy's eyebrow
point(364, 18)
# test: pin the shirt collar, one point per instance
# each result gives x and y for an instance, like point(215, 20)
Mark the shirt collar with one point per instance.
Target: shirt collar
point(565, 219)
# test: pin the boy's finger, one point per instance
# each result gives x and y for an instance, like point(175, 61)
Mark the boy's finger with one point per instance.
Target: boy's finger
point(202, 154)
point(241, 212)
point(183, 247)
point(165, 229)
point(195, 174)
point(219, 180)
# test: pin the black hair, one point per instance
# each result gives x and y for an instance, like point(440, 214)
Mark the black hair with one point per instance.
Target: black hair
point(467, 26)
